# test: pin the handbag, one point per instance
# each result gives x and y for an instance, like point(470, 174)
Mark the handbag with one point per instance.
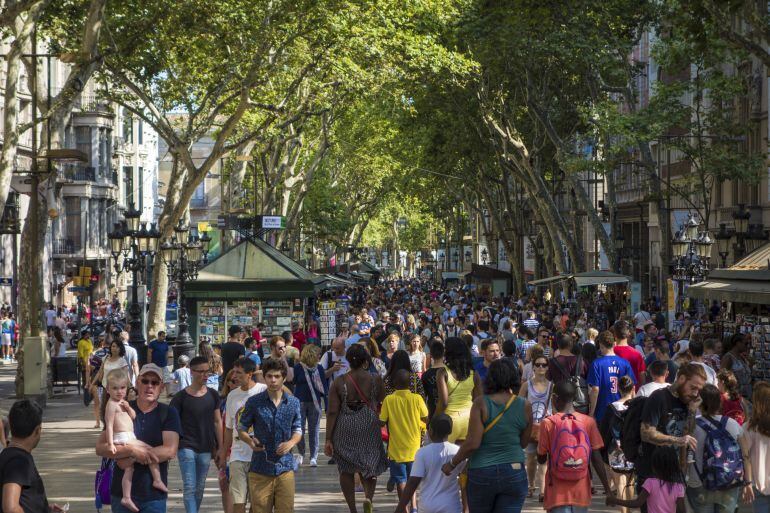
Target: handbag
point(102, 482)
point(383, 429)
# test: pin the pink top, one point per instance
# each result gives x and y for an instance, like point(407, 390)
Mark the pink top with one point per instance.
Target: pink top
point(663, 495)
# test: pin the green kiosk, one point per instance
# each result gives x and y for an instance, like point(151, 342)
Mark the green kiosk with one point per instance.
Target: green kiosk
point(249, 283)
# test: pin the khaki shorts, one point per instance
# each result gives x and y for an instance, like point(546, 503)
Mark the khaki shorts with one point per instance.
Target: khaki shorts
point(239, 481)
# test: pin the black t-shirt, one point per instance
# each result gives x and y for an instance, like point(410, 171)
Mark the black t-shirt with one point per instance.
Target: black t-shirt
point(148, 427)
point(669, 415)
point(231, 351)
point(17, 466)
point(197, 416)
point(431, 389)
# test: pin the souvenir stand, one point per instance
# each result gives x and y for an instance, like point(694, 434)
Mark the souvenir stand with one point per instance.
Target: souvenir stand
point(744, 288)
point(251, 282)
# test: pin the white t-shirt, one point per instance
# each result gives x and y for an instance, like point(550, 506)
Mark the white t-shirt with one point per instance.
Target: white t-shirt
point(438, 493)
point(711, 376)
point(732, 427)
point(235, 401)
point(50, 317)
point(647, 389)
point(131, 357)
point(326, 364)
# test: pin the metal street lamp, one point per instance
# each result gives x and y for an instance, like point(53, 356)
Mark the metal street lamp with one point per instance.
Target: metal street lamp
point(184, 255)
point(132, 246)
point(620, 243)
point(484, 256)
point(467, 255)
point(692, 252)
point(723, 237)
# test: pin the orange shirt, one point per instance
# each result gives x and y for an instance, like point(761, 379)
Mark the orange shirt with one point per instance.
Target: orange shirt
point(567, 493)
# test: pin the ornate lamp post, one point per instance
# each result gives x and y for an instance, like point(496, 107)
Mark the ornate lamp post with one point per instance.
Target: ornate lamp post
point(184, 256)
point(484, 256)
point(692, 251)
point(620, 244)
point(132, 245)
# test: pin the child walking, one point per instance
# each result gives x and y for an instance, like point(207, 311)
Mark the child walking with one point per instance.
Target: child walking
point(439, 493)
point(118, 420)
point(404, 413)
point(662, 493)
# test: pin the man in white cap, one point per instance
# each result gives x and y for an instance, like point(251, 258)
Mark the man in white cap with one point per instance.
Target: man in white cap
point(158, 426)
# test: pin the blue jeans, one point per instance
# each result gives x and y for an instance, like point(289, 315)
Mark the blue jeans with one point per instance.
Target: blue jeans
point(195, 468)
point(158, 506)
point(569, 509)
point(497, 488)
point(309, 414)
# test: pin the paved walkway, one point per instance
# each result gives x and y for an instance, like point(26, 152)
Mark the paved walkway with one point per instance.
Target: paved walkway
point(67, 463)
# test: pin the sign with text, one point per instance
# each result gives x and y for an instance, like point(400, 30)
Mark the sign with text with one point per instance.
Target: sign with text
point(273, 222)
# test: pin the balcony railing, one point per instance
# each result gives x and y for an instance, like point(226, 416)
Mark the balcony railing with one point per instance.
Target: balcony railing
point(80, 173)
point(66, 246)
point(92, 103)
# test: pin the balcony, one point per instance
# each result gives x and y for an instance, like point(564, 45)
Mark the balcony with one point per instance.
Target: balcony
point(66, 246)
point(93, 103)
point(76, 173)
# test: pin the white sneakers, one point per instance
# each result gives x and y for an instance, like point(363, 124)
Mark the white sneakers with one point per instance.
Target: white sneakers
point(313, 462)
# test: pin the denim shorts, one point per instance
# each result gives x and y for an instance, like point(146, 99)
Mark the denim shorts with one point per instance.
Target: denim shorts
point(399, 472)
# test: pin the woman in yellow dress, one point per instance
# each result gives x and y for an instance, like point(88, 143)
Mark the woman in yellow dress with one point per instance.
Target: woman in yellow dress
point(458, 385)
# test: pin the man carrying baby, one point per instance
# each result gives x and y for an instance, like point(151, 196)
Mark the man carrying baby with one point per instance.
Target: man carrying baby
point(158, 426)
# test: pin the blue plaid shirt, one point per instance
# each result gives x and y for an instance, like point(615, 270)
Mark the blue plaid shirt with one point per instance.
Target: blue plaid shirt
point(271, 426)
point(525, 345)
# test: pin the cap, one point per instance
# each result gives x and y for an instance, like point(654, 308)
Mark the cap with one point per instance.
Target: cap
point(151, 367)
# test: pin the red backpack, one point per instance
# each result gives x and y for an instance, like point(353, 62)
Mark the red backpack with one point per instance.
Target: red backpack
point(570, 449)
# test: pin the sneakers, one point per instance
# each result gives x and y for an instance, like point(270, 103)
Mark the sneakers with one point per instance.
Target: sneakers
point(391, 485)
point(313, 462)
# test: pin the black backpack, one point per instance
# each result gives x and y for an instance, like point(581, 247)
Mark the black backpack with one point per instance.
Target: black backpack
point(631, 436)
point(580, 403)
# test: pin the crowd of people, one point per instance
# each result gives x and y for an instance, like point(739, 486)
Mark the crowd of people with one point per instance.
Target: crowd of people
point(468, 404)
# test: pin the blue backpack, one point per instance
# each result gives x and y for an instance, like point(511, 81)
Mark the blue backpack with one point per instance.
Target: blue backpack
point(722, 458)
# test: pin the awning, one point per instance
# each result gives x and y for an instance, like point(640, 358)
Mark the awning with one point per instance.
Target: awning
point(450, 275)
point(585, 279)
point(740, 291)
point(552, 279)
point(590, 278)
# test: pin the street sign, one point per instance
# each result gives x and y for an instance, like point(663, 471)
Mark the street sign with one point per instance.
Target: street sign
point(221, 222)
point(273, 222)
point(6, 282)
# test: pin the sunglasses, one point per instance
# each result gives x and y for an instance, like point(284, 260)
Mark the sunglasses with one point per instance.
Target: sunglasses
point(153, 382)
point(541, 365)
point(202, 371)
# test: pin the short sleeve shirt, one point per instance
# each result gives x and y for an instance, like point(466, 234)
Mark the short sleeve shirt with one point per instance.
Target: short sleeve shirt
point(403, 411)
point(605, 373)
point(17, 466)
point(197, 416)
point(563, 493)
point(149, 428)
point(668, 414)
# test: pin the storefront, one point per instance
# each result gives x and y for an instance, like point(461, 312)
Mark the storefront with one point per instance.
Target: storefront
point(488, 281)
point(743, 290)
point(252, 282)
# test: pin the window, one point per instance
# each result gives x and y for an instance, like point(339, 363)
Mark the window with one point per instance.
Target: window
point(128, 127)
point(128, 179)
point(103, 151)
point(73, 216)
point(83, 140)
point(140, 131)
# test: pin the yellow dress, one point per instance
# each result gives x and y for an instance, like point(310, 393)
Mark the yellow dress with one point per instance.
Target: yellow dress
point(459, 405)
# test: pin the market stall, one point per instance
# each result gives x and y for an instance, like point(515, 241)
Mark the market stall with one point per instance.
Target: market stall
point(744, 288)
point(488, 281)
point(251, 282)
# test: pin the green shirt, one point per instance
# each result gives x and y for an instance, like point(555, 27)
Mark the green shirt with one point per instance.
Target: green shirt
point(502, 443)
